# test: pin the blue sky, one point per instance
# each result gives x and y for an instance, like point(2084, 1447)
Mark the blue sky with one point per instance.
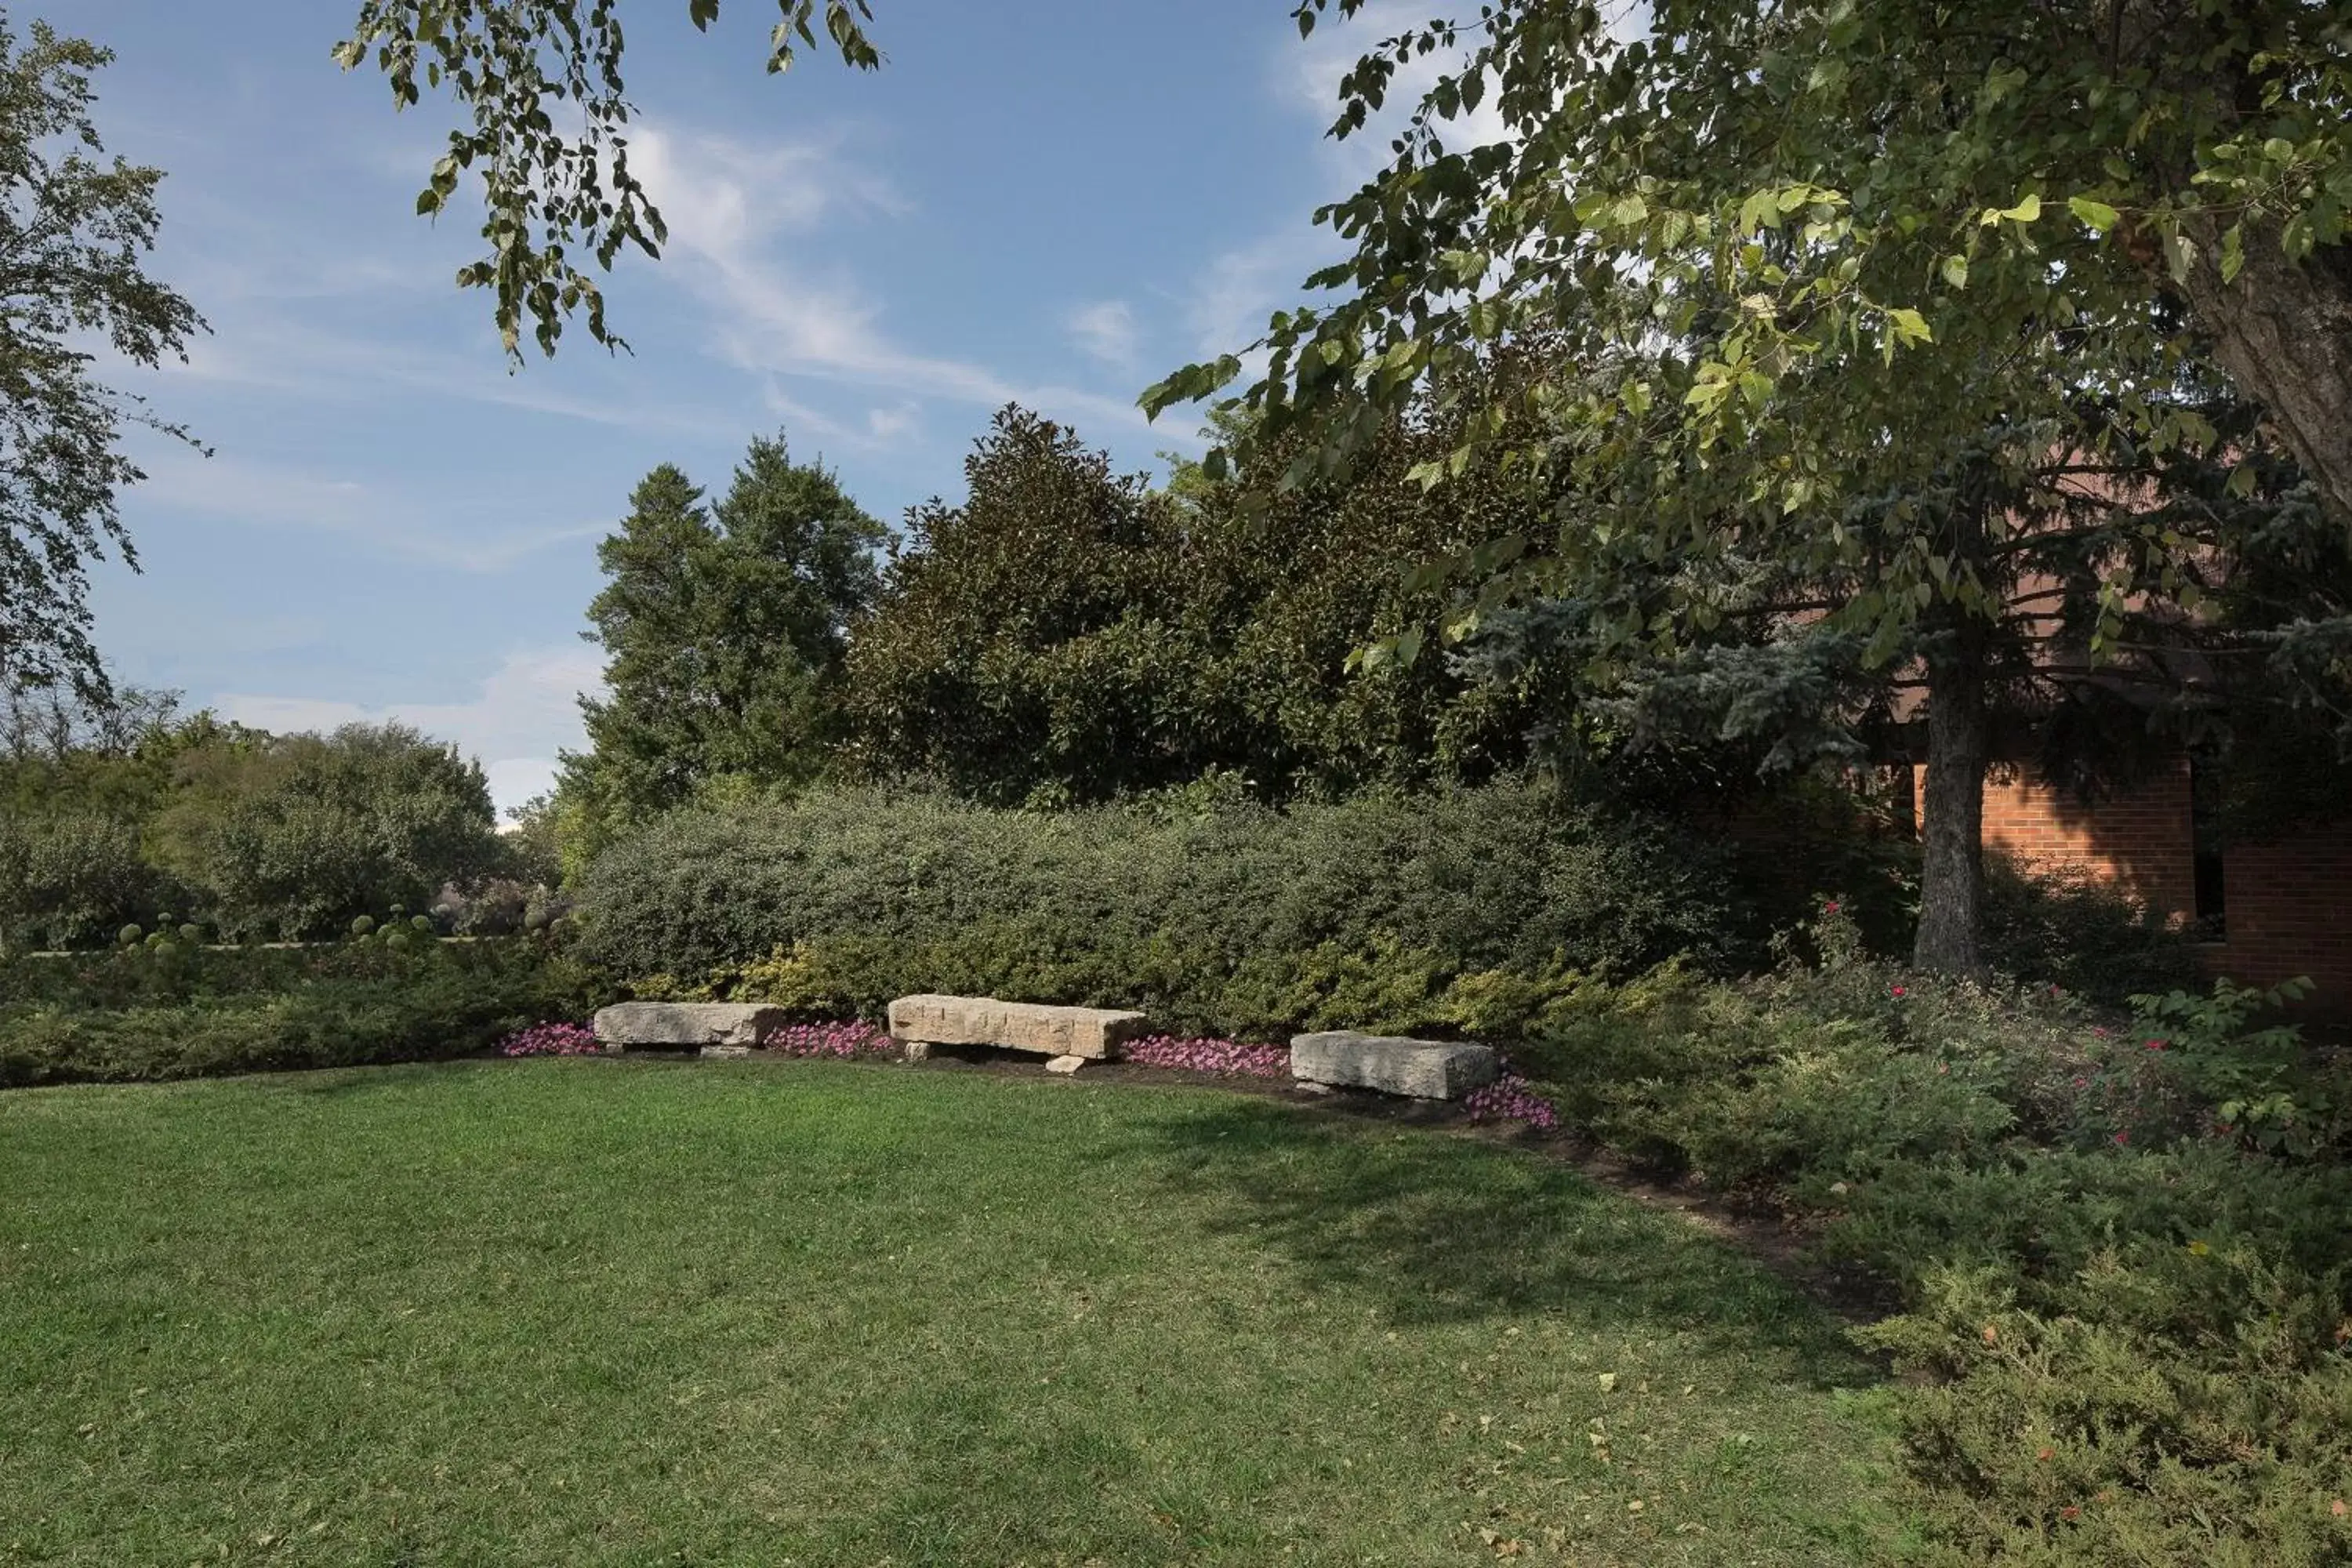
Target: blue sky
point(1055, 202)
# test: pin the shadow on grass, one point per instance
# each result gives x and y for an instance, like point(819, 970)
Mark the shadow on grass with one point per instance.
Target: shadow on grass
point(1432, 1228)
point(346, 1081)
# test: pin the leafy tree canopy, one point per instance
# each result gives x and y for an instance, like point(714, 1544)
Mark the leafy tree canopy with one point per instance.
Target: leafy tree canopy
point(1869, 313)
point(74, 231)
point(1787, 189)
point(541, 83)
point(123, 810)
point(1068, 634)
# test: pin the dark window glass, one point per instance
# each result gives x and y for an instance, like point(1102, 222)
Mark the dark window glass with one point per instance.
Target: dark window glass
point(2205, 840)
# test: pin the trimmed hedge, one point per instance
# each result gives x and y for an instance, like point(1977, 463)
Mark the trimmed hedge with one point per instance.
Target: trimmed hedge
point(1230, 919)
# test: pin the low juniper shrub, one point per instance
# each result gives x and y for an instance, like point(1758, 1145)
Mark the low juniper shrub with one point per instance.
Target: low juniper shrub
point(550, 1041)
point(1229, 1056)
point(2121, 1243)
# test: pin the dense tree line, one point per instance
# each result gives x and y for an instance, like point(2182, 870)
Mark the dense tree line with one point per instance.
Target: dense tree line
point(133, 814)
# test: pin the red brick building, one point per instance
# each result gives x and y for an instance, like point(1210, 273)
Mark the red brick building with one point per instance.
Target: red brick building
point(2268, 912)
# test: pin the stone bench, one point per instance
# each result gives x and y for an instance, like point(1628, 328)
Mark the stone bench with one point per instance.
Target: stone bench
point(1424, 1069)
point(719, 1028)
point(1093, 1034)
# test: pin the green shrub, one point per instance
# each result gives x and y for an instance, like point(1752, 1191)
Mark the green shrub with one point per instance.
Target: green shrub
point(2122, 1251)
point(180, 1013)
point(1231, 918)
point(2067, 928)
point(294, 835)
point(72, 879)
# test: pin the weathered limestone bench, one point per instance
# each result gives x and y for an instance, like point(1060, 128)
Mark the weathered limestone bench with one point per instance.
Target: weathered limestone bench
point(1425, 1069)
point(1071, 1035)
point(715, 1028)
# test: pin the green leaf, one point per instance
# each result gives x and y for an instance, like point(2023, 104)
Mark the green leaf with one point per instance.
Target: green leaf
point(2179, 256)
point(1956, 271)
point(1910, 326)
point(2026, 211)
point(2095, 215)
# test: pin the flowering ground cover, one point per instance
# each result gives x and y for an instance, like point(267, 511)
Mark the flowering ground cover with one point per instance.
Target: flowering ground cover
point(599, 1312)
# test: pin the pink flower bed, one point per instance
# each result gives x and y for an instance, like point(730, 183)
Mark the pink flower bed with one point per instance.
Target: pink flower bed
point(842, 1042)
point(550, 1041)
point(1511, 1098)
point(1210, 1056)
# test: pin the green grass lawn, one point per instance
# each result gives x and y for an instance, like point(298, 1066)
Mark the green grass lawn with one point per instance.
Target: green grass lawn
point(563, 1312)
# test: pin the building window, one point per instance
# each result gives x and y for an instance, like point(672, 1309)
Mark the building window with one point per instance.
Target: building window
point(2205, 848)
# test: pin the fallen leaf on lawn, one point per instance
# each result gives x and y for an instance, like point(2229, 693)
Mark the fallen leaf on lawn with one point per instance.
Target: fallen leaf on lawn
point(1608, 1381)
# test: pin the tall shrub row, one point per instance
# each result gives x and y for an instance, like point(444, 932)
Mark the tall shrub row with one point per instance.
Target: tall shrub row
point(1233, 917)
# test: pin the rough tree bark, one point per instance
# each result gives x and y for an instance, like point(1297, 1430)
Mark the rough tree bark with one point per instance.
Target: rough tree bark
point(2284, 331)
point(1951, 873)
point(1950, 939)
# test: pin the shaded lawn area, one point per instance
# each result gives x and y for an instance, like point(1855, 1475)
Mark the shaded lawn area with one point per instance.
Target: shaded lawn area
point(635, 1313)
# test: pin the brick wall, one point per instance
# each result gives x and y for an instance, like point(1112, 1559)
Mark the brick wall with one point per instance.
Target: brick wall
point(2289, 903)
point(2138, 839)
point(2291, 913)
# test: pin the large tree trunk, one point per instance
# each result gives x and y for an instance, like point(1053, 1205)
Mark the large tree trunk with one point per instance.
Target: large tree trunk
point(1951, 873)
point(2284, 331)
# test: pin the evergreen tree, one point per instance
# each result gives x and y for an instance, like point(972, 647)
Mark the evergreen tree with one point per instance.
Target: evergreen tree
point(726, 628)
point(644, 735)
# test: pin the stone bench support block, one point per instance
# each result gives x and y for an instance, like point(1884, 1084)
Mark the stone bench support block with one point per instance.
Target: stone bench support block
point(1425, 1069)
point(1094, 1033)
point(687, 1026)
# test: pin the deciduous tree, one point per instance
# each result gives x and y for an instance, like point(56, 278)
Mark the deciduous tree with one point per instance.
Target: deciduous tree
point(75, 228)
point(1833, 283)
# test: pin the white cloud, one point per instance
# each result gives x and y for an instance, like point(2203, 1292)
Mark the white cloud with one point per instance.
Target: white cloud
point(889, 425)
point(733, 211)
point(273, 352)
point(523, 713)
point(1106, 330)
point(386, 520)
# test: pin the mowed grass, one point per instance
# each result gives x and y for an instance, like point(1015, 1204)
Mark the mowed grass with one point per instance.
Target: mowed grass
point(613, 1312)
